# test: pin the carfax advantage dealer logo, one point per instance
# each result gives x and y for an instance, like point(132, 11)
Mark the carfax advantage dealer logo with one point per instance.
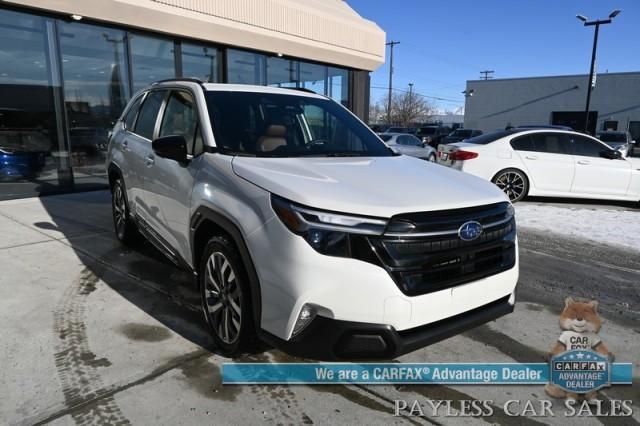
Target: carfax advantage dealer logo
point(580, 371)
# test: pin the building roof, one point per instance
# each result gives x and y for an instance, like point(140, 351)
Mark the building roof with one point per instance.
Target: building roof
point(599, 75)
point(320, 30)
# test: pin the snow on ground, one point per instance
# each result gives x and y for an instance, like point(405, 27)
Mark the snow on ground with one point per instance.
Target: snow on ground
point(602, 224)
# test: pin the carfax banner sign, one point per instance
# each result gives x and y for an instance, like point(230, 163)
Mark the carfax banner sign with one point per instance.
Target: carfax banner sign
point(420, 373)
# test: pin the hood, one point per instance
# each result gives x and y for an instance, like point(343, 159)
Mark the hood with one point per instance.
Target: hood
point(372, 186)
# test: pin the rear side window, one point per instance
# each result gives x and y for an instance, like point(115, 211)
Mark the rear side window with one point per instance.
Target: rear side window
point(553, 143)
point(149, 113)
point(523, 143)
point(130, 118)
point(181, 119)
point(587, 147)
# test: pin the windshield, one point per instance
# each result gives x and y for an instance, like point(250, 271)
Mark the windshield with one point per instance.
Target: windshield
point(427, 131)
point(613, 137)
point(277, 125)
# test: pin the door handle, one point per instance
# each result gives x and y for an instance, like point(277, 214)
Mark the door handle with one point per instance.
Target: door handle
point(584, 162)
point(125, 145)
point(149, 161)
point(531, 157)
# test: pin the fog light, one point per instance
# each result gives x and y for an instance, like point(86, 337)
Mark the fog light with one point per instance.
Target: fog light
point(315, 238)
point(306, 315)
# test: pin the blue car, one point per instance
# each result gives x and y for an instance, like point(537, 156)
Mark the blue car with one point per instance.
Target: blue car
point(22, 153)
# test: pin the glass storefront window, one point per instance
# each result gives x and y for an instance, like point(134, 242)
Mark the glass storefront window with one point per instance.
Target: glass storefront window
point(152, 59)
point(282, 72)
point(200, 62)
point(96, 90)
point(339, 85)
point(313, 77)
point(245, 67)
point(30, 148)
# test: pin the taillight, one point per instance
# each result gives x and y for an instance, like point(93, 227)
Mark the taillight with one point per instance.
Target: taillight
point(461, 155)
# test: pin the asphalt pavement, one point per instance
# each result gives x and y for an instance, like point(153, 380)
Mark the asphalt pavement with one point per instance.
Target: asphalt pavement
point(94, 332)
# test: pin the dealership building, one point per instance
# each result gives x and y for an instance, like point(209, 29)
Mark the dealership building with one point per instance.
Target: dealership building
point(69, 67)
point(615, 102)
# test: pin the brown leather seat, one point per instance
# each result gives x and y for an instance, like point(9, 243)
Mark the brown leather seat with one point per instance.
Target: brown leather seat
point(272, 139)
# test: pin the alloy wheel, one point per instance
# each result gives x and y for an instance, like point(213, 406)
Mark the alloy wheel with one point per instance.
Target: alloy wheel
point(119, 209)
point(223, 298)
point(512, 184)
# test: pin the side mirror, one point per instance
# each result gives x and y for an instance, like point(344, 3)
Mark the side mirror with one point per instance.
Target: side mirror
point(171, 147)
point(611, 154)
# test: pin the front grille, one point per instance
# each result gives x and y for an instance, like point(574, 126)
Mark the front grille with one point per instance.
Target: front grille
point(423, 252)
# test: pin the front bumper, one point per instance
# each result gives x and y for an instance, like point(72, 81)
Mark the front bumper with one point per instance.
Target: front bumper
point(331, 339)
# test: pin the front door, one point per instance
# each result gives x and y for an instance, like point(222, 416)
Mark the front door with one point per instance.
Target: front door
point(170, 183)
point(596, 175)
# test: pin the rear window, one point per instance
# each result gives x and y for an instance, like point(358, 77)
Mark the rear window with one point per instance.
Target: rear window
point(487, 138)
point(463, 133)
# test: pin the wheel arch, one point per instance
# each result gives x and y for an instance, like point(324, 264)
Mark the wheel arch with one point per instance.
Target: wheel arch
point(206, 223)
point(113, 173)
point(517, 169)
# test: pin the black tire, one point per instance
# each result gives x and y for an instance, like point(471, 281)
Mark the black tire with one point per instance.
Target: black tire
point(513, 182)
point(226, 299)
point(125, 228)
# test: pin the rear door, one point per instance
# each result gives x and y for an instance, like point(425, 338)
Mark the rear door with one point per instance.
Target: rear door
point(170, 183)
point(127, 160)
point(547, 158)
point(595, 174)
point(139, 144)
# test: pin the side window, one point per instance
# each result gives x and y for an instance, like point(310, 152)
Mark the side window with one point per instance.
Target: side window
point(522, 143)
point(181, 119)
point(148, 113)
point(586, 147)
point(413, 141)
point(130, 117)
point(553, 143)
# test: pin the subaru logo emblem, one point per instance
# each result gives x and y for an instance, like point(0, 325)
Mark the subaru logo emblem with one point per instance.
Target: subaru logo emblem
point(469, 231)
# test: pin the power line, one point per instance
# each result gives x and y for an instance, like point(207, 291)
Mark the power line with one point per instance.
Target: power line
point(486, 75)
point(438, 98)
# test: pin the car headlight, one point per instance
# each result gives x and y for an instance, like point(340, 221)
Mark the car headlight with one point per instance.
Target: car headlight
point(329, 233)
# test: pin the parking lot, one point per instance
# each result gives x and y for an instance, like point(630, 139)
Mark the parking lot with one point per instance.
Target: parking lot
point(97, 333)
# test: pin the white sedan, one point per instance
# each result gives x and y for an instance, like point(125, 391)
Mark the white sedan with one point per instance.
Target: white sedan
point(409, 145)
point(546, 162)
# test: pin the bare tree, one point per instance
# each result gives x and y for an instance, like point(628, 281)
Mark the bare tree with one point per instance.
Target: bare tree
point(406, 108)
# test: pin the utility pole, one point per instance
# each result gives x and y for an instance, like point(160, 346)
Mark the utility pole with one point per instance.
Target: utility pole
point(486, 75)
point(590, 83)
point(391, 44)
point(410, 100)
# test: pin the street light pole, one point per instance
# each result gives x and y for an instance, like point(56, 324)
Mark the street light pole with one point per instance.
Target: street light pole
point(590, 84)
point(391, 44)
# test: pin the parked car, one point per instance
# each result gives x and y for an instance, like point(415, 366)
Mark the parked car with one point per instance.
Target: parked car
point(618, 140)
point(379, 128)
point(409, 130)
point(296, 228)
point(546, 162)
point(460, 135)
point(432, 135)
point(409, 145)
point(23, 153)
point(545, 126)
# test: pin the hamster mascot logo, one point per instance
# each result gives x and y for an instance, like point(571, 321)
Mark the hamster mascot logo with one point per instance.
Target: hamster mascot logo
point(580, 361)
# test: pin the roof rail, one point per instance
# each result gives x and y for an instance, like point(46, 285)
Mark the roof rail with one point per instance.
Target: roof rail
point(181, 79)
point(301, 89)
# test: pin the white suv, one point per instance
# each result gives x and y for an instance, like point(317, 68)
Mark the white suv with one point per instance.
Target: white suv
point(302, 228)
